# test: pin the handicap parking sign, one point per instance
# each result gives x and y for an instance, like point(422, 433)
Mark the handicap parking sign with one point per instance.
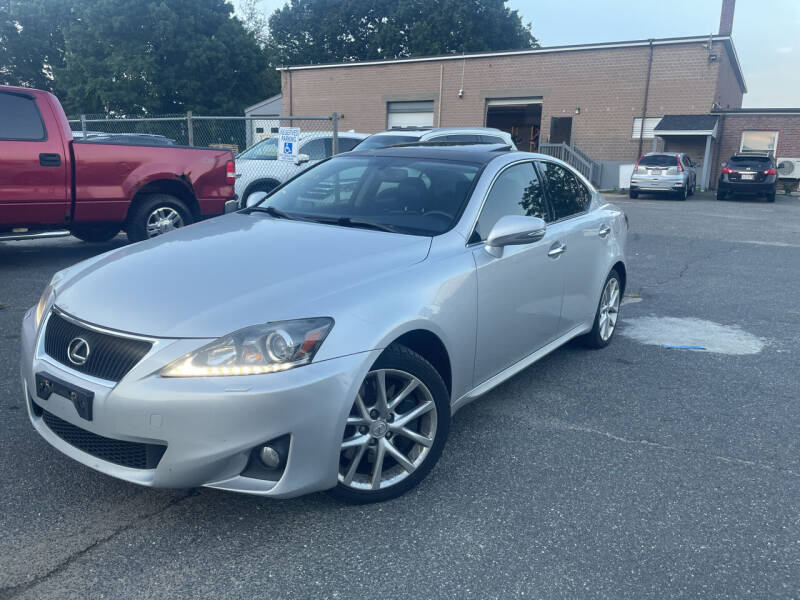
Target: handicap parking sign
point(287, 142)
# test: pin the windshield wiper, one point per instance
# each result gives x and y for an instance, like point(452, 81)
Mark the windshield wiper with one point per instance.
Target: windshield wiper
point(274, 212)
point(363, 223)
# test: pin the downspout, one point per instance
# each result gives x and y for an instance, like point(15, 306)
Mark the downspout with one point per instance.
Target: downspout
point(441, 82)
point(646, 94)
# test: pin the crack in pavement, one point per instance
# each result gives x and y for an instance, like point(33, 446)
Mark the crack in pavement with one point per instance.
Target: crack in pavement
point(9, 592)
point(565, 426)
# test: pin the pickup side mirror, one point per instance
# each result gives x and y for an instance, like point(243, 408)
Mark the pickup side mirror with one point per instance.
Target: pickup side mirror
point(255, 198)
point(301, 159)
point(514, 230)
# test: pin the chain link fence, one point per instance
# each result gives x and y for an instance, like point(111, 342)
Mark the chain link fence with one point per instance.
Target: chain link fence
point(252, 139)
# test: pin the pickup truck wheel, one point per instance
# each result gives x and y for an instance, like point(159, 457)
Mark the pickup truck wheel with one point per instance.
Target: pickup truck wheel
point(157, 214)
point(95, 233)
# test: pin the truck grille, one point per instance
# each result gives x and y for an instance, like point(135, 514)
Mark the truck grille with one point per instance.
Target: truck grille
point(109, 357)
point(119, 452)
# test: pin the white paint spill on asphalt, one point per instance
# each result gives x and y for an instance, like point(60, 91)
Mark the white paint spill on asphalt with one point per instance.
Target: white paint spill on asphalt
point(630, 300)
point(671, 331)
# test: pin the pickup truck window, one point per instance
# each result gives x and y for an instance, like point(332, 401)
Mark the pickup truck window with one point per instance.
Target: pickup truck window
point(20, 118)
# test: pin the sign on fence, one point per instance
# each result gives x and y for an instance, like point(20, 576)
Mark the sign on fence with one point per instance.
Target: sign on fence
point(287, 143)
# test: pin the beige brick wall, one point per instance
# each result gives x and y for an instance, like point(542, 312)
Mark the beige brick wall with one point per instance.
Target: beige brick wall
point(607, 84)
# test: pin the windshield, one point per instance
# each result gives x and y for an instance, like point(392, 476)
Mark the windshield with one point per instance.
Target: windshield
point(383, 140)
point(266, 149)
point(404, 195)
point(658, 160)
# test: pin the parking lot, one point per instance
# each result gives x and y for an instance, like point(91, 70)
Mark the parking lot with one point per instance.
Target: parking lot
point(637, 471)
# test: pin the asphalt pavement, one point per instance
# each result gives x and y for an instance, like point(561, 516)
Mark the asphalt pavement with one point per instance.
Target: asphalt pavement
point(631, 472)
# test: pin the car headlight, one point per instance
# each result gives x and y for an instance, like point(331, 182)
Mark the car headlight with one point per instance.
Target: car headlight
point(47, 296)
point(255, 350)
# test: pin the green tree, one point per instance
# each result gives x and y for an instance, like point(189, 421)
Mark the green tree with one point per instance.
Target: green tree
point(31, 41)
point(319, 31)
point(134, 57)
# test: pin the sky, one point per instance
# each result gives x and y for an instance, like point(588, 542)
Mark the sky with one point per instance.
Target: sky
point(766, 33)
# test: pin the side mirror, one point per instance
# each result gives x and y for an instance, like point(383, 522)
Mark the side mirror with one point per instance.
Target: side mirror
point(255, 198)
point(514, 230)
point(301, 159)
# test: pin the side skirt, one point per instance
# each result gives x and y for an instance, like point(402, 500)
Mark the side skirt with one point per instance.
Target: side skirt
point(522, 364)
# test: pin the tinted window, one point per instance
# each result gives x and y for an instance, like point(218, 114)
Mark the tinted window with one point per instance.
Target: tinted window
point(658, 160)
point(460, 137)
point(316, 149)
point(404, 194)
point(346, 144)
point(492, 139)
point(383, 140)
point(19, 118)
point(753, 162)
point(567, 195)
point(517, 191)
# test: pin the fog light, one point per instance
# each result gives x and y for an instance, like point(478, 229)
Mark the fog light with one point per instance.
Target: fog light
point(270, 457)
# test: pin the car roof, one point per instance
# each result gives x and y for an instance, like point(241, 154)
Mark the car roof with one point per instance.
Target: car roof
point(664, 153)
point(479, 154)
point(425, 131)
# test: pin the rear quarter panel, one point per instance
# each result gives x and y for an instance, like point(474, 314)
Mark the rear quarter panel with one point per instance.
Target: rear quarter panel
point(108, 177)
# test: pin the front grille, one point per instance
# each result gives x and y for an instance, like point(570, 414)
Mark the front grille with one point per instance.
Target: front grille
point(110, 357)
point(119, 452)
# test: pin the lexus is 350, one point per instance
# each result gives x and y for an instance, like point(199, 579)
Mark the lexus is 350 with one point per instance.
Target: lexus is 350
point(323, 338)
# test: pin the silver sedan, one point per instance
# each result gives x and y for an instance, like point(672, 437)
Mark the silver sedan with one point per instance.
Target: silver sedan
point(323, 338)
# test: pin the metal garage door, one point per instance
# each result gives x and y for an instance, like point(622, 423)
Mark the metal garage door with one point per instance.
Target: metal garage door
point(409, 114)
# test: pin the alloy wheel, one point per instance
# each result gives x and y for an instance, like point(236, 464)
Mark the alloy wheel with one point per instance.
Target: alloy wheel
point(162, 220)
point(609, 308)
point(389, 432)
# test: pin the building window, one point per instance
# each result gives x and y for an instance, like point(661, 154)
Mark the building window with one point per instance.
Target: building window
point(649, 127)
point(409, 114)
point(759, 141)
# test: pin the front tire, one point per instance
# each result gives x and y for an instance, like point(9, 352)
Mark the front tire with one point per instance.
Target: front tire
point(156, 214)
point(605, 319)
point(396, 429)
point(633, 195)
point(95, 233)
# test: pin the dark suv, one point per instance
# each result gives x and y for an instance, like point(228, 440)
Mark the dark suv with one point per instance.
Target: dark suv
point(748, 174)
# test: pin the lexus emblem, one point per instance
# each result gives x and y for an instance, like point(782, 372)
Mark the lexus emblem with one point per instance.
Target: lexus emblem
point(78, 351)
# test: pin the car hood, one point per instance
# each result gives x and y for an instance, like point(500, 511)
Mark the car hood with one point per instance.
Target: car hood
point(215, 277)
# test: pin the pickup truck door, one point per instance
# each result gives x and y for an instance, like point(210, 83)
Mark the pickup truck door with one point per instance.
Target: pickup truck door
point(33, 171)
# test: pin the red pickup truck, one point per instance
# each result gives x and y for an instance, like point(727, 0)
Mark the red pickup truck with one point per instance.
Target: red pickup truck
point(51, 184)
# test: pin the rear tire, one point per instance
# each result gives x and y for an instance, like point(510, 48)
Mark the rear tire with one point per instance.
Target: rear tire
point(771, 197)
point(721, 195)
point(95, 233)
point(605, 319)
point(683, 194)
point(377, 433)
point(156, 214)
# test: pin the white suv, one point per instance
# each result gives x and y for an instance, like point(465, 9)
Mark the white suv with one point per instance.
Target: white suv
point(463, 135)
point(259, 170)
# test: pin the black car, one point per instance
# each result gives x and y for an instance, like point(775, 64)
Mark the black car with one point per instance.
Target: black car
point(754, 174)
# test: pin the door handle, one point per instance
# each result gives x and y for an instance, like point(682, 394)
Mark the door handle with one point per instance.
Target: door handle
point(47, 159)
point(556, 249)
point(604, 231)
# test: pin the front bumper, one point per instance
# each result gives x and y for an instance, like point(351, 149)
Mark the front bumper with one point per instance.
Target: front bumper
point(209, 425)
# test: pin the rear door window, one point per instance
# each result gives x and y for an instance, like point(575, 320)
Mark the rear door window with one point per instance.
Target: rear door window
point(346, 144)
point(464, 138)
point(316, 149)
point(567, 195)
point(20, 118)
point(492, 139)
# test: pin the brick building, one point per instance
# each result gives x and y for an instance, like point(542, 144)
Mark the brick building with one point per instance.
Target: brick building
point(605, 99)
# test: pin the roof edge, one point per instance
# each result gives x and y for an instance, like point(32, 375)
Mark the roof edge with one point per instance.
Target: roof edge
point(756, 111)
point(541, 50)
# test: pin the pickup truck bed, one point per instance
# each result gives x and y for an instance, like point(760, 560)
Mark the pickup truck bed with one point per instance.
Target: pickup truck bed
point(49, 181)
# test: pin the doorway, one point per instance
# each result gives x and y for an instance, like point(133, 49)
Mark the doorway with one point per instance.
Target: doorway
point(560, 130)
point(520, 117)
